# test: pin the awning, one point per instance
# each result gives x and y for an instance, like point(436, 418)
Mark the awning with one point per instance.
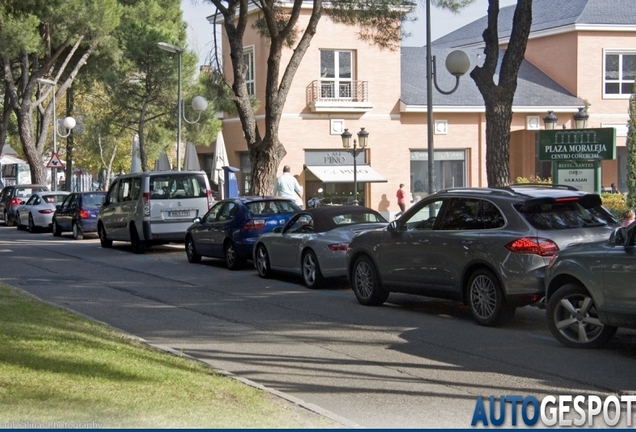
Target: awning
point(9, 160)
point(344, 174)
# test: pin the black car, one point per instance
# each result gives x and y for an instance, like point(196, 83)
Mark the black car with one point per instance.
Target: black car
point(12, 196)
point(78, 213)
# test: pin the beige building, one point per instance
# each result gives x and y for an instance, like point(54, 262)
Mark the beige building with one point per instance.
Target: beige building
point(579, 52)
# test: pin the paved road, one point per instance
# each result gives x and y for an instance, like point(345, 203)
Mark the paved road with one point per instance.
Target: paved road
point(414, 362)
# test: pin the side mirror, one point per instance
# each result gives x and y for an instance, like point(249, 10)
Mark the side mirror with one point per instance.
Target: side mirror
point(278, 229)
point(392, 227)
point(196, 220)
point(618, 237)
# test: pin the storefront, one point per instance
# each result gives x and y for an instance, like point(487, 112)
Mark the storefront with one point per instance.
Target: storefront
point(333, 172)
point(449, 170)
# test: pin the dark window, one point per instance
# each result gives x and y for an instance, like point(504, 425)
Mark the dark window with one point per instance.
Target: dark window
point(460, 214)
point(554, 215)
point(492, 217)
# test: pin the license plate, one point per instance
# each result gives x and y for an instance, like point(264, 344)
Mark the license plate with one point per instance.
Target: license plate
point(179, 213)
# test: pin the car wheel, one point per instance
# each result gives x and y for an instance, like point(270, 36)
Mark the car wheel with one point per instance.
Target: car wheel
point(312, 277)
point(191, 252)
point(31, 227)
point(18, 223)
point(573, 318)
point(138, 245)
point(262, 262)
point(56, 229)
point(103, 239)
point(366, 283)
point(486, 299)
point(78, 234)
point(7, 221)
point(231, 257)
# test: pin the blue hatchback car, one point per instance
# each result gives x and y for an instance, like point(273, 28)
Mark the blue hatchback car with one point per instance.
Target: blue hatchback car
point(78, 213)
point(232, 226)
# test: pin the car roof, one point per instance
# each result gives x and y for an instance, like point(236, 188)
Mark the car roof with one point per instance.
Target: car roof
point(323, 216)
point(519, 191)
point(256, 198)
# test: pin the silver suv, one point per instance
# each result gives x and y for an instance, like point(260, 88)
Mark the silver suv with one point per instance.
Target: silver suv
point(487, 247)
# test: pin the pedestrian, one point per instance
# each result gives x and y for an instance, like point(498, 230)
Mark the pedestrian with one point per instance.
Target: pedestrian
point(287, 186)
point(614, 189)
point(400, 200)
point(628, 217)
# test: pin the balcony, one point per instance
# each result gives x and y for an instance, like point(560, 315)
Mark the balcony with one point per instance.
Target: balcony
point(338, 96)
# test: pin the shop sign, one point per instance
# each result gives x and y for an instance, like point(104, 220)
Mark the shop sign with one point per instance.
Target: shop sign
point(577, 144)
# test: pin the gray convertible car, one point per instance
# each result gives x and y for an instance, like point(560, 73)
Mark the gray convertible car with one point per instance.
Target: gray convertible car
point(314, 242)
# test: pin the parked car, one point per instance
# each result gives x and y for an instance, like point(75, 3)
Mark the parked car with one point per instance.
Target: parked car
point(231, 227)
point(487, 247)
point(152, 207)
point(36, 212)
point(78, 213)
point(313, 243)
point(591, 290)
point(11, 197)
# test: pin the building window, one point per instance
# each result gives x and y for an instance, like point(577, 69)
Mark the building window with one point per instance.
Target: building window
point(245, 182)
point(449, 171)
point(248, 58)
point(620, 71)
point(336, 74)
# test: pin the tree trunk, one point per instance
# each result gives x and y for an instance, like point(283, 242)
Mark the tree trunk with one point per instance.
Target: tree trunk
point(498, 120)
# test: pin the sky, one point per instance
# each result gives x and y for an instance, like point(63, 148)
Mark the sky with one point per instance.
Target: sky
point(200, 37)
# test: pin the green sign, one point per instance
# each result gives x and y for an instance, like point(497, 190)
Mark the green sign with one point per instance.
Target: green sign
point(577, 144)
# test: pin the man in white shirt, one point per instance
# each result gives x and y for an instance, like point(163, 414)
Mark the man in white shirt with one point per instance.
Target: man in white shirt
point(287, 186)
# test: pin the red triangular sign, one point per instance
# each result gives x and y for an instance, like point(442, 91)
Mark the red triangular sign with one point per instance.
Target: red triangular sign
point(55, 162)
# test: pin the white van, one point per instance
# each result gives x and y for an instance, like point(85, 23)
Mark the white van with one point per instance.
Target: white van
point(152, 207)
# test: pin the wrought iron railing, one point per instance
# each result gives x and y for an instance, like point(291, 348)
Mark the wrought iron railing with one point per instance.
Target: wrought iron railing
point(337, 91)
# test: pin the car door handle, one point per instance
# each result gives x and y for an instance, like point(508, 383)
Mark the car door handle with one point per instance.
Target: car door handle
point(467, 242)
point(424, 241)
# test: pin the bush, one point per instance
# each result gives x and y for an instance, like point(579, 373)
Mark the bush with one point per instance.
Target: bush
point(615, 203)
point(534, 179)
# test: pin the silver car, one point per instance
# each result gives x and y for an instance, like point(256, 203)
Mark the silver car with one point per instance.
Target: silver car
point(486, 247)
point(313, 243)
point(591, 290)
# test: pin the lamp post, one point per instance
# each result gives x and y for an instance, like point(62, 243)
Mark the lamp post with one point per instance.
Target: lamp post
point(457, 64)
point(550, 120)
point(69, 124)
point(580, 119)
point(175, 49)
point(363, 136)
point(199, 103)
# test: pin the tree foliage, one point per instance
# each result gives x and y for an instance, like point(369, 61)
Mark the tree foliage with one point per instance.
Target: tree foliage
point(50, 39)
point(378, 23)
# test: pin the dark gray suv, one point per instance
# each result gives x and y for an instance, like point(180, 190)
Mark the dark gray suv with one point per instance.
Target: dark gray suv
point(487, 247)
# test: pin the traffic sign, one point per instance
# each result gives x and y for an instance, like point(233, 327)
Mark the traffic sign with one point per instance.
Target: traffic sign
point(55, 162)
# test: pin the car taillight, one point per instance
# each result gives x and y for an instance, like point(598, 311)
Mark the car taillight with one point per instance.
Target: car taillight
point(533, 245)
point(254, 224)
point(15, 201)
point(46, 211)
point(84, 214)
point(210, 198)
point(338, 246)
point(146, 198)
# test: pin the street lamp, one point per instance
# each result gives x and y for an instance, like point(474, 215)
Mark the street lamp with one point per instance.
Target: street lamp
point(550, 120)
point(175, 49)
point(363, 136)
point(69, 124)
point(580, 119)
point(457, 64)
point(199, 103)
